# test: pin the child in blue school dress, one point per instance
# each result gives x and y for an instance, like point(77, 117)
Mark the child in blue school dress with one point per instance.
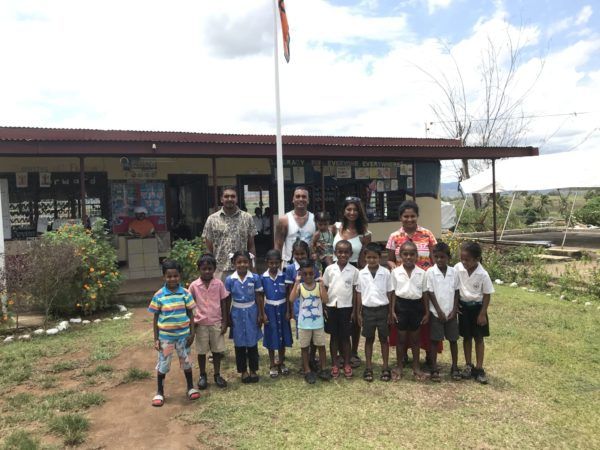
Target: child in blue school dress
point(277, 330)
point(247, 315)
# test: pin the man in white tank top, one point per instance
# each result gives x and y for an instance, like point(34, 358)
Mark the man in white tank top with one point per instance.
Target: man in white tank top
point(296, 224)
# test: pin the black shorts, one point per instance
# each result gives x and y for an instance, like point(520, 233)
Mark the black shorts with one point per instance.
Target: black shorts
point(409, 314)
point(338, 322)
point(467, 321)
point(375, 318)
point(439, 329)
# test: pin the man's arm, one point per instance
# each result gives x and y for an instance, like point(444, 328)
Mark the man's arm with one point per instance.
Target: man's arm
point(281, 230)
point(209, 246)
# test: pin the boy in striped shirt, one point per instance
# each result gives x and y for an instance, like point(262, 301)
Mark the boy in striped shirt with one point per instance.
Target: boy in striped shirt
point(173, 307)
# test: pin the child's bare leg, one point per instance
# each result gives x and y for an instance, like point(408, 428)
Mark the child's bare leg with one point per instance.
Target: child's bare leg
point(401, 348)
point(322, 356)
point(413, 337)
point(454, 353)
point(355, 339)
point(305, 365)
point(272, 357)
point(281, 355)
point(369, 351)
point(345, 350)
point(333, 349)
point(433, 357)
point(468, 349)
point(202, 364)
point(479, 352)
point(385, 352)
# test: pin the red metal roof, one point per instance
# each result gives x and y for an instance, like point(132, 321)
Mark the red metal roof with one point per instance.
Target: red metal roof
point(25, 141)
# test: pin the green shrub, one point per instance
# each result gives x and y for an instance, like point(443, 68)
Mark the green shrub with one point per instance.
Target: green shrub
point(135, 374)
point(590, 212)
point(98, 278)
point(71, 427)
point(21, 440)
point(187, 253)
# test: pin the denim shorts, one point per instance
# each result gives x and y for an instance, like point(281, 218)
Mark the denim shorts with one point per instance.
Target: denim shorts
point(165, 355)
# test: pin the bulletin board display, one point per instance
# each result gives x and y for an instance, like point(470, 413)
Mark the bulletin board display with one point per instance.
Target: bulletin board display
point(126, 196)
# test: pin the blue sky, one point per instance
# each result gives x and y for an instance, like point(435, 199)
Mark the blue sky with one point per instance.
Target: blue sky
point(357, 66)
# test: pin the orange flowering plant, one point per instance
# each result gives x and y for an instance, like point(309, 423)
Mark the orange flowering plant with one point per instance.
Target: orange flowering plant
point(98, 278)
point(187, 253)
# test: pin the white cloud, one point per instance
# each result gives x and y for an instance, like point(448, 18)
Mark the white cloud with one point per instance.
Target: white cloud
point(571, 23)
point(434, 5)
point(207, 66)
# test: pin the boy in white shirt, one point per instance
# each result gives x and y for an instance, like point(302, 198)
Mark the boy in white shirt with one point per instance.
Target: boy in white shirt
point(340, 279)
point(410, 309)
point(442, 286)
point(373, 298)
point(475, 287)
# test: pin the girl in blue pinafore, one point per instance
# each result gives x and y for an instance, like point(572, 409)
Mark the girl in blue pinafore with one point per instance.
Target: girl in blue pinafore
point(247, 315)
point(278, 333)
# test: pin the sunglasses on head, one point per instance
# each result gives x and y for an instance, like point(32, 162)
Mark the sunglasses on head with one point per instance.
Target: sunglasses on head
point(352, 199)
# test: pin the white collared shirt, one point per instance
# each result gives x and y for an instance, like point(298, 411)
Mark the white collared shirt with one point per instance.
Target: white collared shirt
point(340, 285)
point(374, 290)
point(472, 288)
point(444, 288)
point(410, 288)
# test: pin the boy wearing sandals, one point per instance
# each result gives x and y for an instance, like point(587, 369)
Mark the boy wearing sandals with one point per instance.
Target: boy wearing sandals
point(373, 299)
point(442, 285)
point(173, 308)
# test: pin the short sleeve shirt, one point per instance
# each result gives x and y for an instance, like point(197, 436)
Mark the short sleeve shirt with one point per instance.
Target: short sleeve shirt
point(142, 227)
point(374, 290)
point(228, 235)
point(409, 287)
point(444, 288)
point(274, 288)
point(243, 291)
point(340, 285)
point(310, 315)
point(208, 301)
point(171, 307)
point(473, 287)
point(422, 238)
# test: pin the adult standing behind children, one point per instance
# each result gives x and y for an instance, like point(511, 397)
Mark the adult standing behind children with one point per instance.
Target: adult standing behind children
point(353, 228)
point(228, 230)
point(298, 224)
point(408, 212)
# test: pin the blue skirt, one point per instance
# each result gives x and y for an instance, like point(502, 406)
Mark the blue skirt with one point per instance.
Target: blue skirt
point(278, 333)
point(244, 327)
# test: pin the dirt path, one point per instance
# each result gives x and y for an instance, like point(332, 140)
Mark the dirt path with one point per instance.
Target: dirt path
point(127, 420)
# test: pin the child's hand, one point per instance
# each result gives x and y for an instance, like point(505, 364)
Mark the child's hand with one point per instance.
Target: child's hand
point(425, 319)
point(223, 328)
point(451, 316)
point(359, 319)
point(157, 345)
point(265, 319)
point(288, 316)
point(298, 278)
point(481, 320)
point(442, 316)
point(393, 319)
point(189, 341)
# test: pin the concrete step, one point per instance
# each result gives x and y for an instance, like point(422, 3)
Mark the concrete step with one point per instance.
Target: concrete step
point(572, 252)
point(554, 258)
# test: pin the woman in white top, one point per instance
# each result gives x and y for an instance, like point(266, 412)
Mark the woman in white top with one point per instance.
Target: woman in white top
point(353, 228)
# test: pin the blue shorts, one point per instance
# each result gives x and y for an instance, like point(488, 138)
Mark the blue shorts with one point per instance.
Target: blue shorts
point(165, 355)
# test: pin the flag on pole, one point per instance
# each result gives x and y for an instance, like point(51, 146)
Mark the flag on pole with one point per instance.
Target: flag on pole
point(285, 31)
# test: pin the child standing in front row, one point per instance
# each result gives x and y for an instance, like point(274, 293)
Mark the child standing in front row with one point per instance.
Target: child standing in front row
point(210, 318)
point(442, 285)
point(278, 334)
point(475, 288)
point(409, 305)
point(172, 307)
point(373, 300)
point(312, 295)
point(247, 315)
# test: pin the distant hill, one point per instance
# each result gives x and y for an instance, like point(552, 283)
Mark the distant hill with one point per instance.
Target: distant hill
point(450, 190)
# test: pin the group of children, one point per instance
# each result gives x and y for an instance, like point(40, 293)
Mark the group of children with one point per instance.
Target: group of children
point(453, 299)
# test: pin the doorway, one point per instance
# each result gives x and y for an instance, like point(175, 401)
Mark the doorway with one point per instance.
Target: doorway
point(188, 205)
point(256, 197)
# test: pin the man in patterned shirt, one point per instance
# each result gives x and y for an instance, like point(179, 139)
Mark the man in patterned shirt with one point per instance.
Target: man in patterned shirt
point(228, 230)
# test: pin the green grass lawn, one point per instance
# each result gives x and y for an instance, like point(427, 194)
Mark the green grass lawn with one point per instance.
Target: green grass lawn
point(543, 362)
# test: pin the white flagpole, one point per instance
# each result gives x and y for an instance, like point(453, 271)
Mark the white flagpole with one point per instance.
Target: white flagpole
point(278, 140)
point(3, 297)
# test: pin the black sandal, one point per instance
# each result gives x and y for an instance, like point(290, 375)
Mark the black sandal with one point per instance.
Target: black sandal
point(368, 375)
point(386, 375)
point(435, 376)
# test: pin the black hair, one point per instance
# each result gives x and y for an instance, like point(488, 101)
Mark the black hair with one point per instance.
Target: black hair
point(239, 253)
point(299, 243)
point(228, 187)
point(343, 242)
point(169, 264)
point(472, 248)
point(410, 244)
point(443, 248)
point(408, 204)
point(207, 258)
point(323, 216)
point(373, 247)
point(273, 254)
point(300, 188)
point(306, 263)
point(361, 220)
